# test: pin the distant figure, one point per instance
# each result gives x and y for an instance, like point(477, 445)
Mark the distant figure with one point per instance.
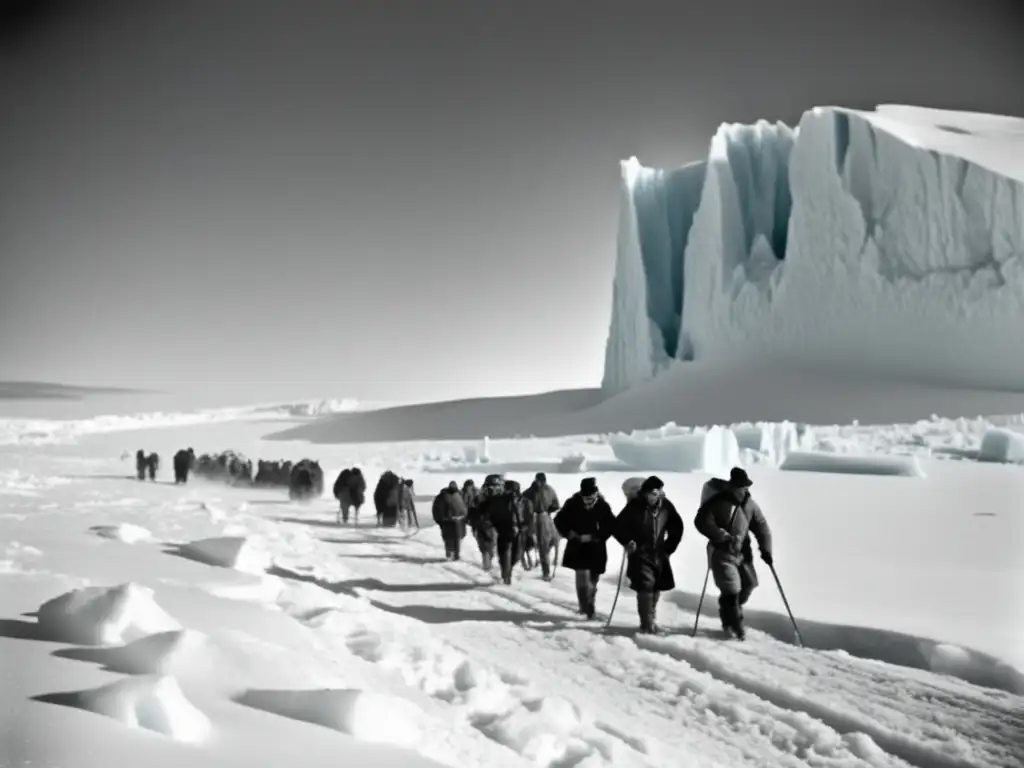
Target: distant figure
point(727, 516)
point(449, 512)
point(650, 529)
point(587, 522)
point(407, 505)
point(306, 480)
point(386, 499)
point(152, 465)
point(479, 519)
point(182, 462)
point(350, 491)
point(140, 464)
point(540, 503)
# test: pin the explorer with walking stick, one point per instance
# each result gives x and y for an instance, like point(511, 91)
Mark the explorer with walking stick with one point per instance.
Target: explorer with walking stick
point(727, 517)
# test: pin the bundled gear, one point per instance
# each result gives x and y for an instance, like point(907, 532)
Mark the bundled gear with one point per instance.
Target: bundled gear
point(727, 517)
point(449, 512)
point(183, 462)
point(650, 529)
point(350, 491)
point(586, 522)
point(540, 503)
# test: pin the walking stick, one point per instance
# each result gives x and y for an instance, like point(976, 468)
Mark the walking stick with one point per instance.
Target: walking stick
point(796, 629)
point(618, 589)
point(700, 602)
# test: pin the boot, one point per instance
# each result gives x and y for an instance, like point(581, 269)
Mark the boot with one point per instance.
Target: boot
point(583, 599)
point(591, 600)
point(655, 597)
point(730, 614)
point(645, 609)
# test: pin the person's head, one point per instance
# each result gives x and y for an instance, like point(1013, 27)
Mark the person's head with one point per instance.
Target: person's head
point(540, 478)
point(652, 490)
point(589, 492)
point(453, 486)
point(739, 481)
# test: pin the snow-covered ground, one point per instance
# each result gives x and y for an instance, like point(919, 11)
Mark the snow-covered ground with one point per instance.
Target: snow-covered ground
point(227, 627)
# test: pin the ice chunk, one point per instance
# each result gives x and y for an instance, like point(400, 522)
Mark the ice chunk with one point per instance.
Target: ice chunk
point(849, 464)
point(894, 238)
point(126, 532)
point(712, 450)
point(1002, 445)
point(236, 552)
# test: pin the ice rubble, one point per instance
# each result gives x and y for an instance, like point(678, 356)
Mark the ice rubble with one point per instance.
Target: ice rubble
point(236, 552)
point(894, 238)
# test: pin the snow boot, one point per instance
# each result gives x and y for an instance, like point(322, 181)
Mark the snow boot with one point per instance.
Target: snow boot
point(655, 597)
point(645, 609)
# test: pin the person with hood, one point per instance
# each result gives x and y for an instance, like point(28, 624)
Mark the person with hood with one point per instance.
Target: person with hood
point(479, 519)
point(727, 516)
point(386, 499)
point(470, 493)
point(350, 491)
point(140, 464)
point(449, 511)
point(153, 465)
point(586, 522)
point(543, 503)
point(650, 529)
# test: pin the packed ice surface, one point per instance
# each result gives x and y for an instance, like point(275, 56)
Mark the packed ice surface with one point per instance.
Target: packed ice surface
point(366, 646)
point(890, 240)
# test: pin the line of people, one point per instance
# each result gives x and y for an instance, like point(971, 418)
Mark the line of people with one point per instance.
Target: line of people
point(507, 523)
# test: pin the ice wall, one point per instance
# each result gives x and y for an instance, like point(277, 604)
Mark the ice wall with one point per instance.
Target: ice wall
point(891, 240)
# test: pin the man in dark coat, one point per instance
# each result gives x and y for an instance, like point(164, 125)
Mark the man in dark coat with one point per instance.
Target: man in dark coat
point(479, 519)
point(543, 503)
point(650, 529)
point(153, 465)
point(727, 516)
point(449, 512)
point(350, 491)
point(182, 464)
point(386, 499)
point(586, 522)
point(506, 515)
point(140, 464)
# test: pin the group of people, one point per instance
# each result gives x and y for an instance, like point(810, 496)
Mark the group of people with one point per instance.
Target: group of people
point(508, 524)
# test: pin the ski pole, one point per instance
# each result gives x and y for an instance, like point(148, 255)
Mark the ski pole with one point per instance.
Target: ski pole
point(618, 589)
point(796, 629)
point(700, 602)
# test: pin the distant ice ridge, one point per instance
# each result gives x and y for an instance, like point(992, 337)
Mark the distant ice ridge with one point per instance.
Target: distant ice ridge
point(891, 239)
point(40, 431)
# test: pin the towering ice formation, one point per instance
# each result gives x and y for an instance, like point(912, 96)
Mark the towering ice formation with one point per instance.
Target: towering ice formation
point(891, 240)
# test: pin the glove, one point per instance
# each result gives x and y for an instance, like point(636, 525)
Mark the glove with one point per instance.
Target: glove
point(768, 559)
point(631, 548)
point(585, 537)
point(726, 542)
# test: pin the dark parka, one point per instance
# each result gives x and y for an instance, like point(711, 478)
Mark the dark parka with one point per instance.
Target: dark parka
point(657, 532)
point(597, 522)
point(449, 512)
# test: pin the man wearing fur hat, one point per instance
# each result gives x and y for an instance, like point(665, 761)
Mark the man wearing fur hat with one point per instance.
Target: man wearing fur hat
point(586, 522)
point(650, 529)
point(727, 516)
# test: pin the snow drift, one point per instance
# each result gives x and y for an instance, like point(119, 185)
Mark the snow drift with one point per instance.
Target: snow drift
point(892, 238)
point(236, 552)
point(104, 615)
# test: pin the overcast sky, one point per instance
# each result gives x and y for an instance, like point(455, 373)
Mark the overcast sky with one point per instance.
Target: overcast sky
point(411, 200)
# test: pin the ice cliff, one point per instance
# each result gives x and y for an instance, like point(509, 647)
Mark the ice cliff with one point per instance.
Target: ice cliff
point(891, 240)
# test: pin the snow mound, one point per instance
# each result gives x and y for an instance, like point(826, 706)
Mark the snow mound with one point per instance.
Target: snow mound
point(126, 532)
point(366, 716)
point(882, 237)
point(574, 463)
point(104, 615)
point(1002, 445)
point(161, 653)
point(153, 703)
point(849, 464)
point(713, 450)
point(236, 552)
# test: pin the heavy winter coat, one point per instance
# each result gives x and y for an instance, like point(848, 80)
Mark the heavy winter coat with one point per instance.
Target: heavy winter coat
point(727, 518)
point(657, 532)
point(386, 498)
point(449, 512)
point(575, 520)
point(350, 488)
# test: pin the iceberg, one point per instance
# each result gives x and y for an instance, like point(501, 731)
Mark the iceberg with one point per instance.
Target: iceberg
point(888, 240)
